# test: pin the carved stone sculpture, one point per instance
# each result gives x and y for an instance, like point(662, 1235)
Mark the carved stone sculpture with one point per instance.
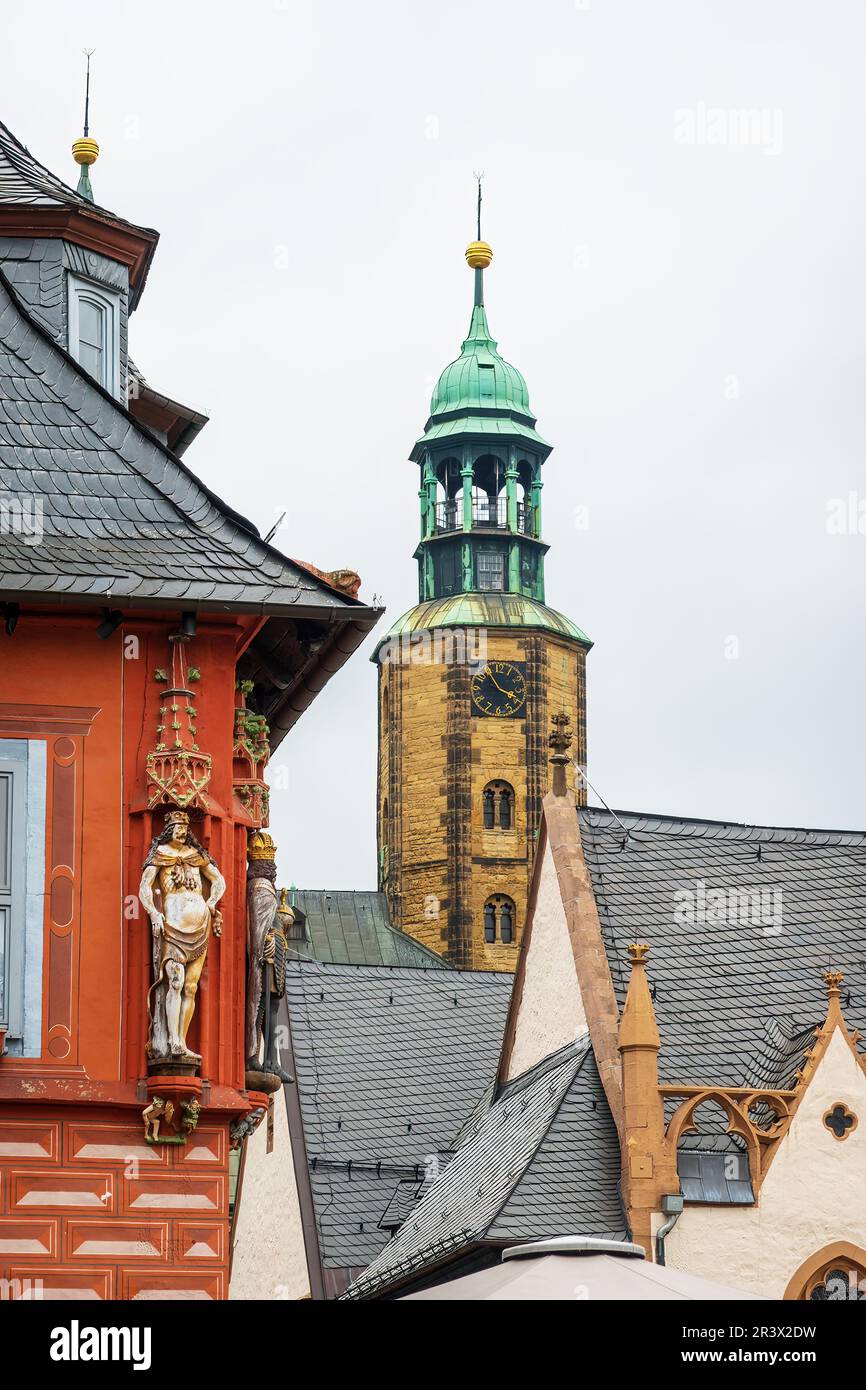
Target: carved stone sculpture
point(266, 961)
point(182, 920)
point(161, 1112)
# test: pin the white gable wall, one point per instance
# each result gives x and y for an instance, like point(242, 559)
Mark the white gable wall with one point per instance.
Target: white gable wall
point(269, 1259)
point(813, 1195)
point(551, 1011)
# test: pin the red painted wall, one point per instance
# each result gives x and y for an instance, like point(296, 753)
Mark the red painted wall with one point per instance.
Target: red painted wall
point(72, 1152)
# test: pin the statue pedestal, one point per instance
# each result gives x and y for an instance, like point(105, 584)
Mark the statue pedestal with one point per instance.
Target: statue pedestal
point(177, 1089)
point(188, 1065)
point(266, 1082)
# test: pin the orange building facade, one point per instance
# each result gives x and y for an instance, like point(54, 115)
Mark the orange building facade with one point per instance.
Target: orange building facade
point(156, 650)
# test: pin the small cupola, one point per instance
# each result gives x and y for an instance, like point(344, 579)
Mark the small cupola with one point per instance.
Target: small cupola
point(76, 268)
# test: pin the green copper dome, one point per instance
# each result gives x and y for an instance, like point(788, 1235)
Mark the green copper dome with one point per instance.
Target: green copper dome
point(479, 392)
point(479, 377)
point(486, 610)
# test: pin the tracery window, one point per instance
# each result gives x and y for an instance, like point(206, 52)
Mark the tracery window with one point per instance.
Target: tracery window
point(499, 920)
point(842, 1282)
point(836, 1274)
point(498, 806)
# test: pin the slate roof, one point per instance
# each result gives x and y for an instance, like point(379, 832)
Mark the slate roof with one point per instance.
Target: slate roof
point(735, 998)
point(125, 522)
point(348, 928)
point(542, 1161)
point(388, 1062)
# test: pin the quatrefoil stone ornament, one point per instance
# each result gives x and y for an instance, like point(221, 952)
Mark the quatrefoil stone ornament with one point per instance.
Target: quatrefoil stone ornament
point(840, 1120)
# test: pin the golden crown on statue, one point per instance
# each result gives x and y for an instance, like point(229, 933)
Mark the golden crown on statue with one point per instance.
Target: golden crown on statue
point(261, 846)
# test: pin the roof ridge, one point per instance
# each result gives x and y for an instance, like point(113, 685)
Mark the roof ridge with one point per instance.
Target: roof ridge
point(685, 825)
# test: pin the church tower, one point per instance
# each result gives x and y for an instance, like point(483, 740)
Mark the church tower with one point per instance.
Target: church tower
point(470, 678)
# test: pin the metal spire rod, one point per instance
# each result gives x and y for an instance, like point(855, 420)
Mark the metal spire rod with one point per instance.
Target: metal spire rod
point(479, 177)
point(88, 53)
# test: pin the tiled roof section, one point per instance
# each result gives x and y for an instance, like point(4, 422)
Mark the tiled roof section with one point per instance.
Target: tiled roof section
point(736, 978)
point(345, 928)
point(403, 1200)
point(779, 1055)
point(388, 1062)
point(715, 1176)
point(543, 1161)
point(123, 520)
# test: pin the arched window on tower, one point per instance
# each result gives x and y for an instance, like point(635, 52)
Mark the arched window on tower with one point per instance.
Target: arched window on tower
point(499, 920)
point(489, 923)
point(498, 806)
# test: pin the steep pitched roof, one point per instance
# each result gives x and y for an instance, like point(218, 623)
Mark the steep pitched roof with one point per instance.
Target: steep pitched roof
point(542, 1161)
point(388, 1063)
point(736, 978)
point(348, 928)
point(124, 520)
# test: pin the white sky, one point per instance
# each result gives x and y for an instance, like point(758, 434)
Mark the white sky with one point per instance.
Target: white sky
point(634, 276)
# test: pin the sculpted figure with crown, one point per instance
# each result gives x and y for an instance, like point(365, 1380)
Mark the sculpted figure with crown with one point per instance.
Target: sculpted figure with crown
point(182, 920)
point(266, 964)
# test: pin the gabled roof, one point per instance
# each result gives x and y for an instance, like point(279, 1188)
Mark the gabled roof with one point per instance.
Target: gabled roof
point(543, 1160)
point(348, 928)
point(125, 522)
point(736, 987)
point(388, 1061)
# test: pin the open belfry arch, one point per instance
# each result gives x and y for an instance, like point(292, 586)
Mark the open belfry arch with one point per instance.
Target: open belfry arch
point(469, 678)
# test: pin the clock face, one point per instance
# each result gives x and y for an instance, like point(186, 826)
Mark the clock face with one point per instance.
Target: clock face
point(498, 690)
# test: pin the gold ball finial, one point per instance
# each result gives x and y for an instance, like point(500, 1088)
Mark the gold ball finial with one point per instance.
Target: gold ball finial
point(478, 255)
point(85, 151)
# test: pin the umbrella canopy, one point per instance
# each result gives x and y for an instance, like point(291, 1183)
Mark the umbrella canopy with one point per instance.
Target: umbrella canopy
point(573, 1268)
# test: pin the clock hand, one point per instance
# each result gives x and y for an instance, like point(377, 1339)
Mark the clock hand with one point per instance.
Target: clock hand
point(510, 693)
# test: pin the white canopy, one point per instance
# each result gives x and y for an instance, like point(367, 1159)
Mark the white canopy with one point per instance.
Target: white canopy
point(572, 1268)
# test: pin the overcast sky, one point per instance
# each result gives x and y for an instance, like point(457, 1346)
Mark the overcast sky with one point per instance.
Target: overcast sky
point(683, 290)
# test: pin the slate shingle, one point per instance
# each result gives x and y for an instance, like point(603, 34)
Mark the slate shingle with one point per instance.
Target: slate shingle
point(388, 1062)
point(542, 1161)
point(735, 998)
point(120, 517)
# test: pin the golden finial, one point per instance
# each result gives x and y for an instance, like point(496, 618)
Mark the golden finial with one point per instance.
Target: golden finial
point(638, 952)
point(84, 150)
point(478, 255)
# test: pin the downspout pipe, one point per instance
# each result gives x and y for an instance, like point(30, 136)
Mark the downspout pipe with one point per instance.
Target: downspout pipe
point(672, 1206)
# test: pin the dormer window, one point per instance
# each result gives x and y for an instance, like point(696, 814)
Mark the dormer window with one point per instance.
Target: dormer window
point(94, 331)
